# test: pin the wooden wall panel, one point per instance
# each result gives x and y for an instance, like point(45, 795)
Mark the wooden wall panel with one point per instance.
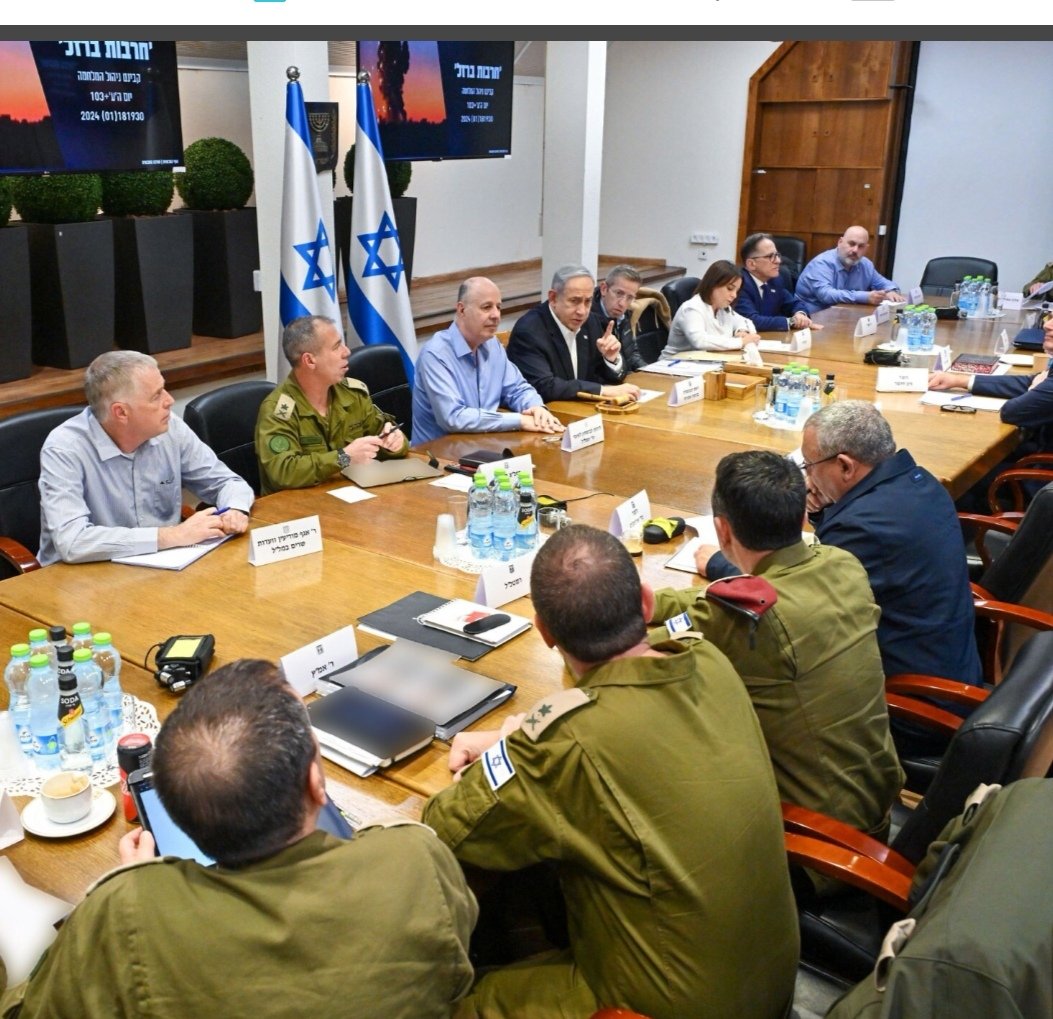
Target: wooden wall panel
point(783, 201)
point(845, 197)
point(789, 134)
point(852, 134)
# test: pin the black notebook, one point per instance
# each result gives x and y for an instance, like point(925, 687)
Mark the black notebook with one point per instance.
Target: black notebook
point(362, 732)
point(399, 619)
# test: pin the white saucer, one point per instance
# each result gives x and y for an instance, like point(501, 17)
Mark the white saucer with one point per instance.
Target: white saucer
point(36, 821)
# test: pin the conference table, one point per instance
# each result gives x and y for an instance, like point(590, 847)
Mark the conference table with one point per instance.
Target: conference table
point(378, 550)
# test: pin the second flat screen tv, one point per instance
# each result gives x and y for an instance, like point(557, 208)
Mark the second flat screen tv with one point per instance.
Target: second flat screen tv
point(441, 100)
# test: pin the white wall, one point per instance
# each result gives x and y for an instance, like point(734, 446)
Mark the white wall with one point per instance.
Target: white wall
point(673, 136)
point(979, 158)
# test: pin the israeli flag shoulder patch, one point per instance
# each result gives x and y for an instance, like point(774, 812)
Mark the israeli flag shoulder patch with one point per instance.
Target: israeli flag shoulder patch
point(497, 766)
point(678, 624)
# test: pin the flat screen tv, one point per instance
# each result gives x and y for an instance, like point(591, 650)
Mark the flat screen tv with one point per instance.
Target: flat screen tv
point(441, 100)
point(88, 105)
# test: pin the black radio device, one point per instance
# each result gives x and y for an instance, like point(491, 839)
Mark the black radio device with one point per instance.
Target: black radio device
point(183, 660)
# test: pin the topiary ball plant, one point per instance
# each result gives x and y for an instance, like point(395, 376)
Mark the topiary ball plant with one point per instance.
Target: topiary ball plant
point(58, 198)
point(140, 193)
point(398, 172)
point(5, 201)
point(218, 175)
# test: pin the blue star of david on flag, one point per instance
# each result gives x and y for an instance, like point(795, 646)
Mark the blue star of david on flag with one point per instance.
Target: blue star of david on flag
point(311, 252)
point(375, 264)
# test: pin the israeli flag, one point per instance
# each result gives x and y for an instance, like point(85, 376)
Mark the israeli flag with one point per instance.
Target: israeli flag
point(378, 305)
point(308, 274)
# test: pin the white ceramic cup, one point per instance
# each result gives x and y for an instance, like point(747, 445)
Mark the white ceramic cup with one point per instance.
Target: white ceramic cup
point(66, 796)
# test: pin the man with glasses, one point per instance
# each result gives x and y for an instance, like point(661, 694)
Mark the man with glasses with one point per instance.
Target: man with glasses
point(843, 275)
point(763, 298)
point(900, 523)
point(611, 303)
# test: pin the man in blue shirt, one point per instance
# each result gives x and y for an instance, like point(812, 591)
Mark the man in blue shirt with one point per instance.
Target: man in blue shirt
point(463, 375)
point(763, 298)
point(843, 275)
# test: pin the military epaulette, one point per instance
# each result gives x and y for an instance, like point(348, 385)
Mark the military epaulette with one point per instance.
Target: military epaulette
point(392, 822)
point(548, 709)
point(356, 384)
point(284, 407)
point(128, 866)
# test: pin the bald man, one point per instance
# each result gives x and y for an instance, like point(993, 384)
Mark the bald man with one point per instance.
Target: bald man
point(463, 375)
point(844, 275)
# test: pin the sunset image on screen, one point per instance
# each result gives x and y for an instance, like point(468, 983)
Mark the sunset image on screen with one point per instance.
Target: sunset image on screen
point(21, 95)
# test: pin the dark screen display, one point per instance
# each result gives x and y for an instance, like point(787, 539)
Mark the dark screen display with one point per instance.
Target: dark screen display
point(88, 105)
point(441, 100)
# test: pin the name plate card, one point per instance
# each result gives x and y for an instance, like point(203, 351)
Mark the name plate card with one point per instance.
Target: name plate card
point(1001, 345)
point(866, 326)
point(586, 432)
point(504, 582)
point(942, 362)
point(916, 296)
point(513, 464)
point(800, 340)
point(751, 355)
point(305, 666)
point(287, 540)
point(1011, 300)
point(631, 513)
point(882, 313)
point(686, 391)
point(902, 380)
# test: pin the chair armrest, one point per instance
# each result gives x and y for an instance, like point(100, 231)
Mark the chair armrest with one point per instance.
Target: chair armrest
point(1006, 612)
point(1012, 479)
point(1035, 460)
point(928, 716)
point(18, 556)
point(976, 526)
point(802, 821)
point(876, 879)
point(934, 686)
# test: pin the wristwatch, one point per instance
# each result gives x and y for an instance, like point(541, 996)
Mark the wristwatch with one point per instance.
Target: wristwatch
point(342, 459)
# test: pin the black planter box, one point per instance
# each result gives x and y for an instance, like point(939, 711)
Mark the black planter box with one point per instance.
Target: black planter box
point(405, 222)
point(16, 338)
point(154, 266)
point(226, 253)
point(71, 279)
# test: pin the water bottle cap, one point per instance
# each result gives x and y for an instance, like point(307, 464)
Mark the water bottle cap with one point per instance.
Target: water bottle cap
point(82, 654)
point(81, 628)
point(506, 484)
point(524, 477)
point(36, 636)
point(19, 650)
point(39, 662)
point(480, 478)
point(102, 637)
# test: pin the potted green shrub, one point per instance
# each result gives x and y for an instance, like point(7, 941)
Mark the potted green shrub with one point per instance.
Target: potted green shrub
point(399, 173)
point(70, 265)
point(153, 259)
point(215, 186)
point(16, 338)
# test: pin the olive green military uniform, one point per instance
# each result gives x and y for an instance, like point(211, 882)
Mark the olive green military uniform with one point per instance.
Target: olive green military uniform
point(1043, 277)
point(649, 785)
point(377, 926)
point(297, 447)
point(814, 675)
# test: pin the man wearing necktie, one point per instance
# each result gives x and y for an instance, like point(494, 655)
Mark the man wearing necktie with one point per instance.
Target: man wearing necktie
point(763, 298)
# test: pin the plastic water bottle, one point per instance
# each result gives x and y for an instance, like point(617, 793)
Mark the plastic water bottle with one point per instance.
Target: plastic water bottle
point(505, 520)
point(913, 316)
point(480, 519)
point(794, 394)
point(40, 645)
point(928, 328)
point(984, 308)
point(526, 532)
point(43, 713)
point(16, 676)
point(108, 659)
point(81, 636)
point(73, 736)
point(970, 292)
point(96, 714)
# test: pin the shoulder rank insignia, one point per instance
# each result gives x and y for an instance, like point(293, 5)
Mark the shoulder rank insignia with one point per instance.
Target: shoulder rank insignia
point(284, 407)
point(356, 384)
point(547, 710)
point(392, 822)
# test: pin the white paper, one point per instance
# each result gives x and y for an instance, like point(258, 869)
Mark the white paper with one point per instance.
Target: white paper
point(684, 559)
point(351, 493)
point(504, 582)
point(678, 366)
point(305, 666)
point(173, 558)
point(933, 398)
point(704, 526)
point(586, 432)
point(454, 482)
point(286, 540)
point(630, 513)
point(10, 822)
point(27, 922)
point(685, 391)
point(902, 380)
point(774, 346)
point(649, 394)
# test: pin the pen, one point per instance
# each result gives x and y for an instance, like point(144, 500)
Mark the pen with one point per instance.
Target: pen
point(957, 399)
point(220, 512)
point(394, 428)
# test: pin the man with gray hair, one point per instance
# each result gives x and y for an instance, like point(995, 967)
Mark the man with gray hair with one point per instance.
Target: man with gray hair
point(318, 421)
point(554, 347)
point(111, 478)
point(611, 304)
point(900, 523)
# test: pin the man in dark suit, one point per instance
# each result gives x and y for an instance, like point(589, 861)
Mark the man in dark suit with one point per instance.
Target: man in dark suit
point(763, 298)
point(611, 302)
point(555, 349)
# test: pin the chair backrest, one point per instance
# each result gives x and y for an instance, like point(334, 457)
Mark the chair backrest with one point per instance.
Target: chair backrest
point(678, 291)
point(1005, 738)
point(225, 420)
point(794, 255)
point(943, 273)
point(21, 437)
point(1026, 555)
point(379, 366)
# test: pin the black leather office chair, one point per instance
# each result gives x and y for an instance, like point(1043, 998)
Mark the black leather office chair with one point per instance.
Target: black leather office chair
point(21, 437)
point(225, 420)
point(678, 291)
point(941, 274)
point(380, 367)
point(1008, 736)
point(794, 257)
